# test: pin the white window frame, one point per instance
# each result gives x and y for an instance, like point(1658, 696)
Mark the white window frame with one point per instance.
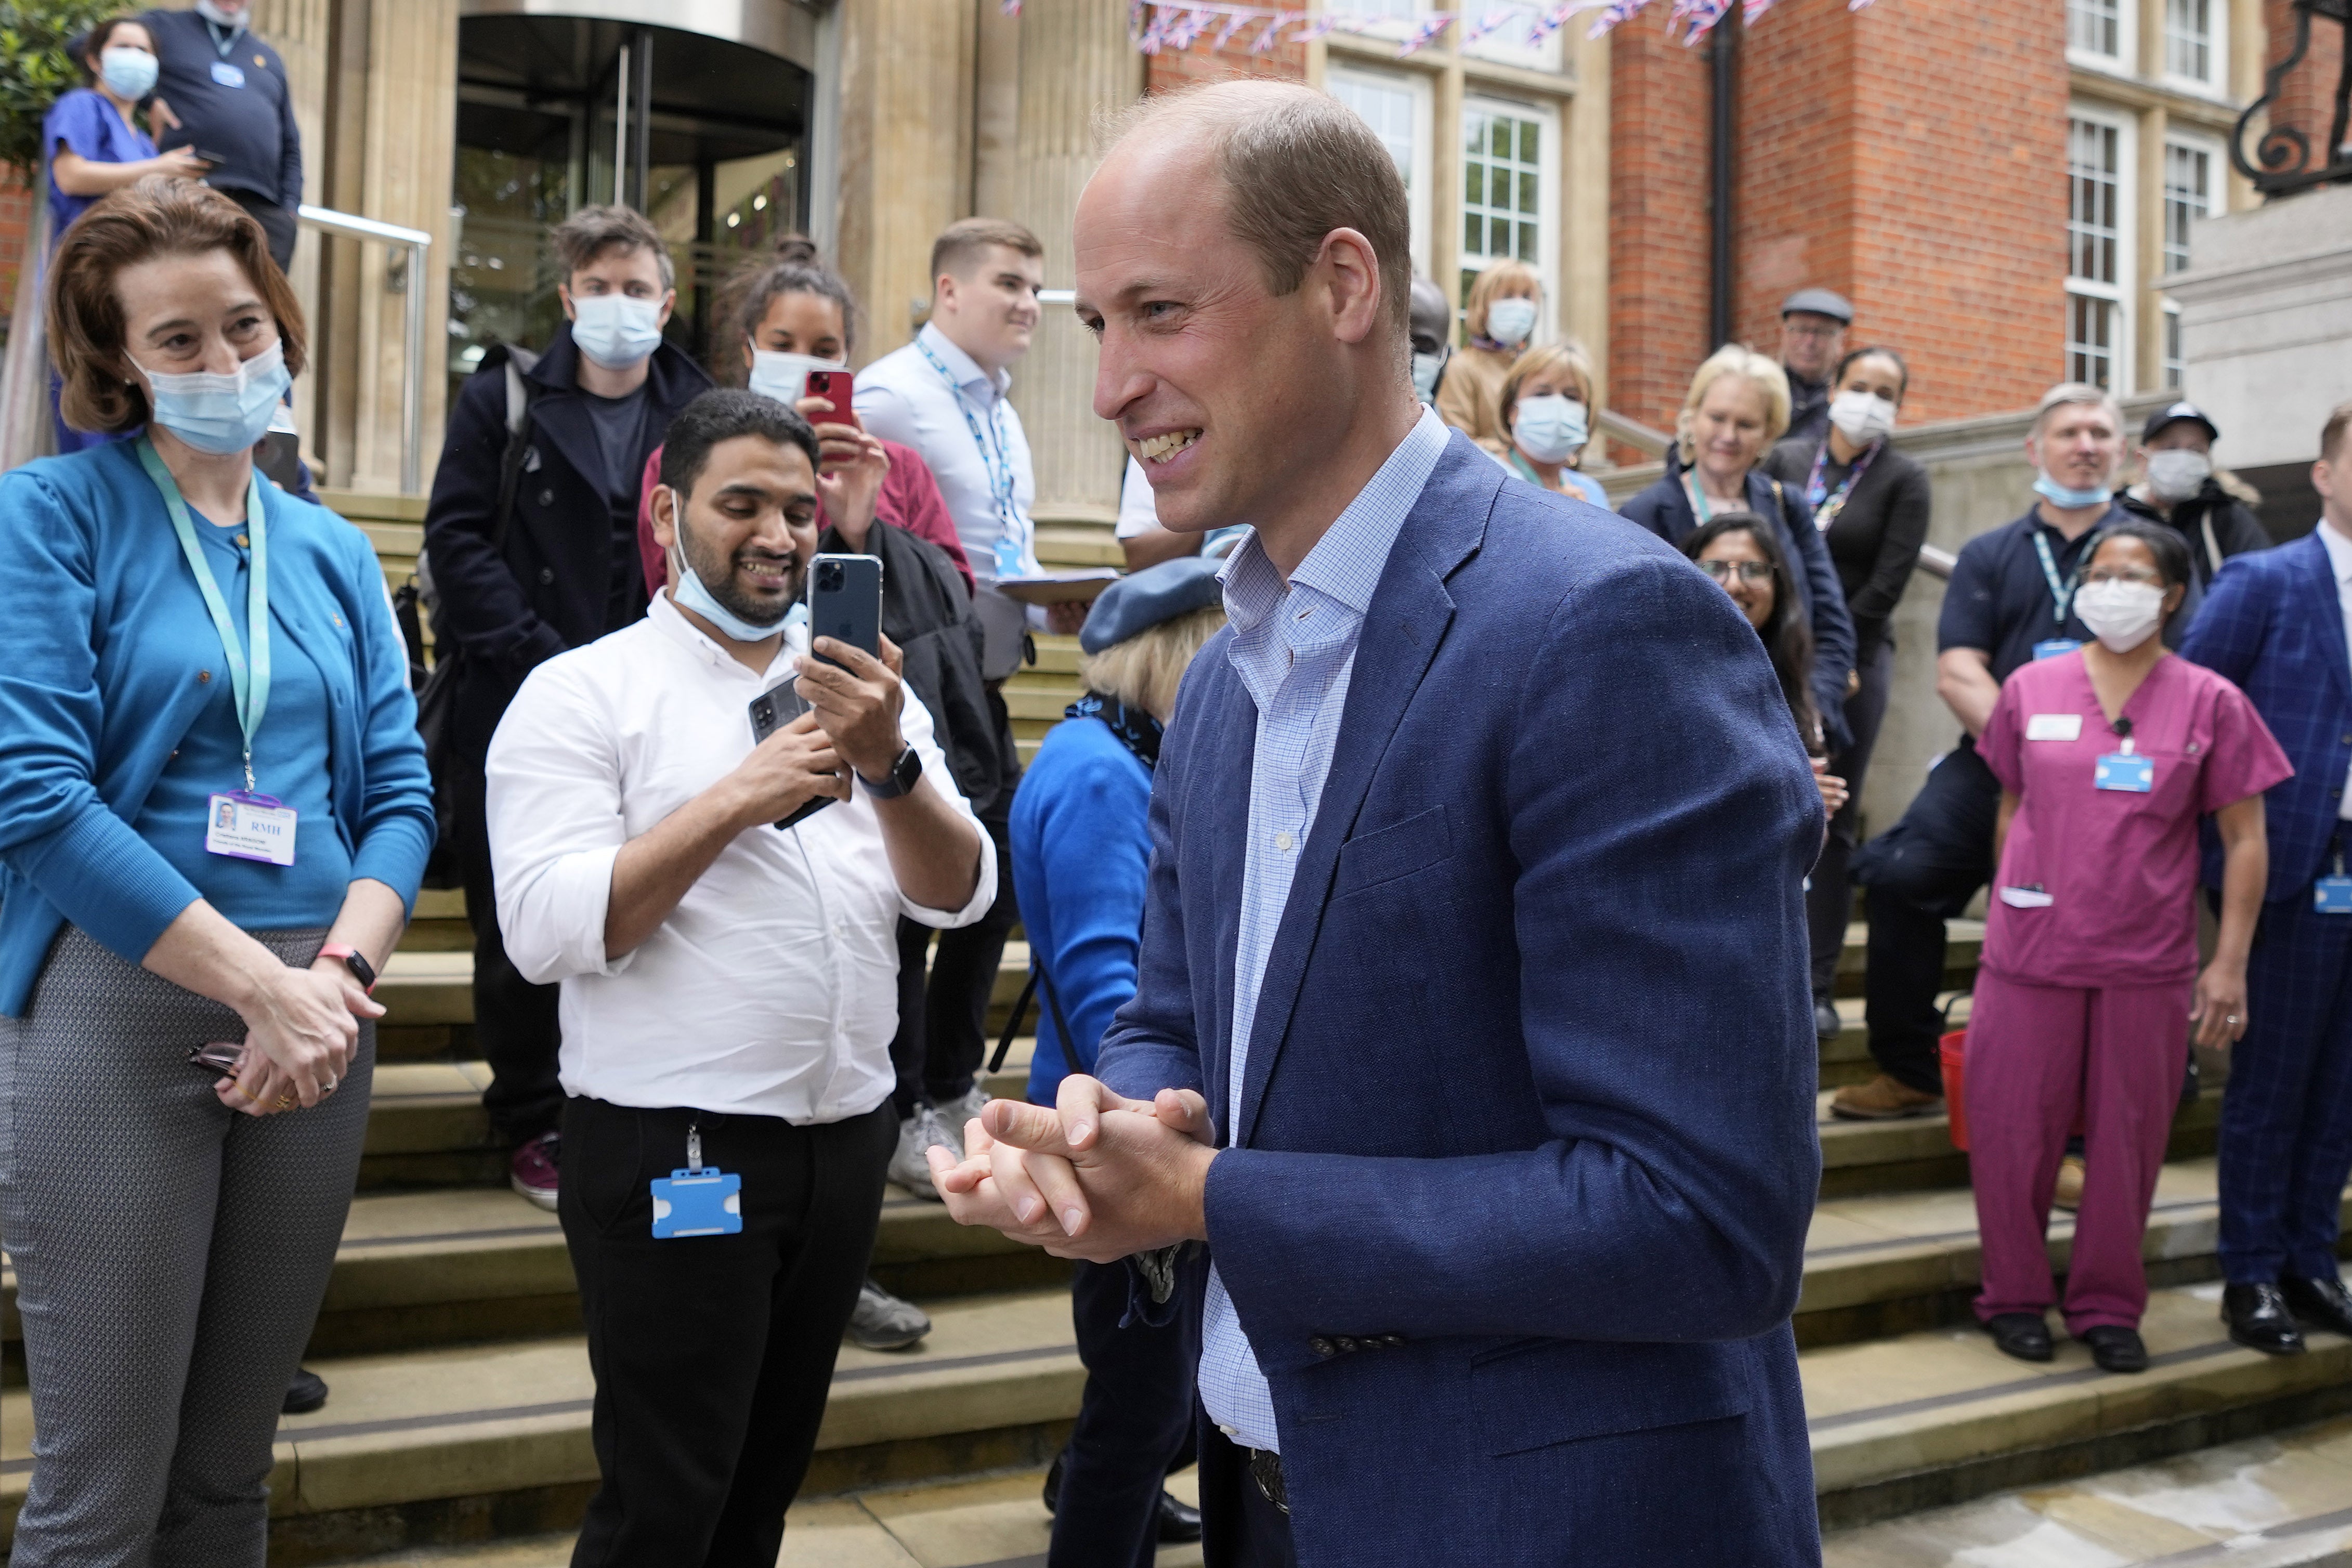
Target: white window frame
point(2174, 370)
point(1548, 185)
point(1420, 175)
point(2124, 61)
point(2216, 153)
point(2122, 291)
point(2216, 83)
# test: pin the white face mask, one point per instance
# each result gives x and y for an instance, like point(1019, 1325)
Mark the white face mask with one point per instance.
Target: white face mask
point(1508, 322)
point(2178, 472)
point(616, 331)
point(2122, 616)
point(1862, 416)
point(783, 375)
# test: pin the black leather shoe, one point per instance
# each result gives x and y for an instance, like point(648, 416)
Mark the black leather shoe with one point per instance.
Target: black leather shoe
point(1054, 1484)
point(2116, 1348)
point(1179, 1522)
point(2259, 1318)
point(1826, 1022)
point(2320, 1303)
point(307, 1393)
point(2024, 1335)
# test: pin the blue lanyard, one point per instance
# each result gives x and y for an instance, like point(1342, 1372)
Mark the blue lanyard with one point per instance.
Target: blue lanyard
point(1826, 510)
point(2062, 593)
point(996, 459)
point(251, 686)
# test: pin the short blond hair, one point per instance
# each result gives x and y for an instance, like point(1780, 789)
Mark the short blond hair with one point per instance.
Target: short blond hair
point(1739, 360)
point(2075, 395)
point(1502, 279)
point(1145, 671)
point(1543, 361)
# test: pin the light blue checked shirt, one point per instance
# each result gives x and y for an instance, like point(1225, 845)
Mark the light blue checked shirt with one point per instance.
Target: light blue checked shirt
point(1294, 647)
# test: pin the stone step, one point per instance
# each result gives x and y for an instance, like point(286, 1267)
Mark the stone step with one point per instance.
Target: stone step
point(1078, 544)
point(1916, 1153)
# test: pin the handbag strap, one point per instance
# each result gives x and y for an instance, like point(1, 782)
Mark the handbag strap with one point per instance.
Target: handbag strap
point(1021, 1011)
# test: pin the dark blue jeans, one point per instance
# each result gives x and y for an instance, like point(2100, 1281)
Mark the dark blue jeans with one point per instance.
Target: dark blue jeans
point(1135, 1422)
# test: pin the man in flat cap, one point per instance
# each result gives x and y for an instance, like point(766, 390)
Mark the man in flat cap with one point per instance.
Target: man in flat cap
point(1812, 340)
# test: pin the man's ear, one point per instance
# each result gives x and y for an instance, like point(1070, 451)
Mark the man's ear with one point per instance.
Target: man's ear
point(563, 296)
point(669, 303)
point(664, 505)
point(1353, 273)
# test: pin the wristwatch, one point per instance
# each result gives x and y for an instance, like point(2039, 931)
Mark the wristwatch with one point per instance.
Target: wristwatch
point(897, 781)
point(353, 959)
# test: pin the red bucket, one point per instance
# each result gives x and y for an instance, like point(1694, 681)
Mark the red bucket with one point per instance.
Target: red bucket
point(1951, 1051)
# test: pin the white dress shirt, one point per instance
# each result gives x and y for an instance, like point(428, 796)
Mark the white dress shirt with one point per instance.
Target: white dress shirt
point(1294, 648)
point(986, 479)
point(2339, 560)
point(771, 988)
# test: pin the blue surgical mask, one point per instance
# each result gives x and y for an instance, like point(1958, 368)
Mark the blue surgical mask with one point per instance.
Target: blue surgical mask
point(1508, 322)
point(614, 330)
point(1550, 429)
point(129, 71)
point(1426, 369)
point(783, 375)
point(690, 594)
point(2058, 495)
point(221, 413)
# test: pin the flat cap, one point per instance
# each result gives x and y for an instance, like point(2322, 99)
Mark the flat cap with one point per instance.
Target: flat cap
point(2173, 414)
point(1819, 303)
point(1141, 600)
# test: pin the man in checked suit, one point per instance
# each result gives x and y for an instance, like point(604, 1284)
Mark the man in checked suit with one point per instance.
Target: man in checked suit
point(2277, 622)
point(1472, 1031)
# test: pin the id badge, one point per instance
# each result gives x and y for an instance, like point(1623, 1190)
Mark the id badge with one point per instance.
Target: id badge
point(2125, 771)
point(705, 1202)
point(2051, 647)
point(246, 826)
point(228, 75)
point(2332, 895)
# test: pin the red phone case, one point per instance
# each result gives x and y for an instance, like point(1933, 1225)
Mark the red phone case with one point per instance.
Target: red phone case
point(836, 388)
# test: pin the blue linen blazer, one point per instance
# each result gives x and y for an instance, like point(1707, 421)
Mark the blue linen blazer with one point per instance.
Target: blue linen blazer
point(106, 654)
point(1532, 1078)
point(2273, 626)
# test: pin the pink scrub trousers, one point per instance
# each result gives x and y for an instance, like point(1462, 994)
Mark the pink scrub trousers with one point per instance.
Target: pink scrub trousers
point(2038, 1056)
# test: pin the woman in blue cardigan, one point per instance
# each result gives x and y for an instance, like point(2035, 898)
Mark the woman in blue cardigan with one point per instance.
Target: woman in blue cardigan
point(1081, 847)
point(218, 815)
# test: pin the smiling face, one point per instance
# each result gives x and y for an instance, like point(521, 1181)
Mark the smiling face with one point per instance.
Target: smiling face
point(2079, 444)
point(807, 324)
point(749, 525)
point(1736, 555)
point(1727, 430)
point(184, 313)
point(991, 312)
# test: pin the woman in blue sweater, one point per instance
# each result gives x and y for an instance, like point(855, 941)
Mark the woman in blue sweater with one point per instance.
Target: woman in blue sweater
point(217, 815)
point(1081, 848)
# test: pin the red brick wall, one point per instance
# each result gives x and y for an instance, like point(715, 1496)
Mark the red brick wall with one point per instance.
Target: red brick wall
point(1205, 62)
point(1658, 106)
point(2307, 97)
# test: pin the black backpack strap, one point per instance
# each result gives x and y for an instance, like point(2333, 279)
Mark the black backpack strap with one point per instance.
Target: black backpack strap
point(1021, 1009)
point(520, 395)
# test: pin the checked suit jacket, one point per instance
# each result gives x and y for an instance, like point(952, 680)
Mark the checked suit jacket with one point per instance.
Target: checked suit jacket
point(1514, 1214)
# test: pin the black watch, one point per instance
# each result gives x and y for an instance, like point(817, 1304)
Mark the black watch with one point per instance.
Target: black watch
point(899, 781)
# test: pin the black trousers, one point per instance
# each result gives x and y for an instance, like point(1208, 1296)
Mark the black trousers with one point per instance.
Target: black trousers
point(713, 1354)
point(1135, 1423)
point(1239, 1527)
point(1829, 902)
point(943, 1026)
point(1920, 873)
point(278, 223)
point(516, 1024)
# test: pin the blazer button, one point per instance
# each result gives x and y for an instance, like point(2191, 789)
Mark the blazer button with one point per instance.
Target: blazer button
point(1394, 1341)
point(546, 575)
point(546, 498)
point(1349, 1345)
point(1322, 1346)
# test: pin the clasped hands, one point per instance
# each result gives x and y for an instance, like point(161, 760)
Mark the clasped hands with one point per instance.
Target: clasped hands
point(1098, 1176)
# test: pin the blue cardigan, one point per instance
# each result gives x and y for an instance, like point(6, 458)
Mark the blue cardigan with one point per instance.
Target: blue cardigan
point(106, 657)
point(1081, 853)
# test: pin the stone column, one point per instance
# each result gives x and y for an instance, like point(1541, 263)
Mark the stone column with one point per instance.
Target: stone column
point(1075, 61)
point(298, 30)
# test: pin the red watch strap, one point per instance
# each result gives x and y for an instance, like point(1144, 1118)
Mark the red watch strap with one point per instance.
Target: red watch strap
point(363, 972)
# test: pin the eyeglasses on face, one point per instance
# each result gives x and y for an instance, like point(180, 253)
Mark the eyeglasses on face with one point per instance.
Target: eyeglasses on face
point(1747, 571)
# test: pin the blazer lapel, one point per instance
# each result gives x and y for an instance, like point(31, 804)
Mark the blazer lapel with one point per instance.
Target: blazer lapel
point(2327, 613)
point(1408, 616)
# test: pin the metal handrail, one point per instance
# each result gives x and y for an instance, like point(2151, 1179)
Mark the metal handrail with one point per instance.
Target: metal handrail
point(411, 370)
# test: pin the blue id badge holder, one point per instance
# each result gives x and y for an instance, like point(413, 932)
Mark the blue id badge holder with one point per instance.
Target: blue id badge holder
point(2333, 895)
point(2051, 647)
point(699, 1200)
point(2125, 768)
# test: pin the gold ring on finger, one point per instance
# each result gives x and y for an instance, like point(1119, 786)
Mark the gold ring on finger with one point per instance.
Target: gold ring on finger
point(286, 1100)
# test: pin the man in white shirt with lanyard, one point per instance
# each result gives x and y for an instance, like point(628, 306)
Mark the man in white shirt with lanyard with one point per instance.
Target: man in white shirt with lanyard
point(728, 985)
point(945, 395)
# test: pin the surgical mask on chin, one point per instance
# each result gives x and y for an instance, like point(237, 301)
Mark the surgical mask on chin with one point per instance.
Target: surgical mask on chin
point(1426, 369)
point(1508, 322)
point(2058, 495)
point(219, 413)
point(1862, 417)
point(129, 72)
point(690, 592)
point(2178, 472)
point(220, 19)
point(783, 375)
point(616, 331)
point(1550, 429)
point(2121, 614)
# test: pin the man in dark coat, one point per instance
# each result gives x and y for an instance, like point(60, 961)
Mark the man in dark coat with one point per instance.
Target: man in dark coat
point(532, 538)
point(2182, 490)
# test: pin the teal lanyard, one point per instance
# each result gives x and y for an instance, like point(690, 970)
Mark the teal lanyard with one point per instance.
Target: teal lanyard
point(251, 685)
point(2062, 592)
point(1697, 493)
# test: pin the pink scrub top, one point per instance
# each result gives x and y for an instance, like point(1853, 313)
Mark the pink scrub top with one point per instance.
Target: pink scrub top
point(2095, 886)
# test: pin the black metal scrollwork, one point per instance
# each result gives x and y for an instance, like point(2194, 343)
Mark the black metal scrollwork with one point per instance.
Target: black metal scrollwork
point(2282, 157)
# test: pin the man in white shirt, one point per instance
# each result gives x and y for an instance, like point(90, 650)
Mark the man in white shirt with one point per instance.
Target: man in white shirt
point(945, 395)
point(728, 986)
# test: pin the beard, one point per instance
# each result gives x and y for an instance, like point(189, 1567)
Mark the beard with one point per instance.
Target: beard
point(717, 574)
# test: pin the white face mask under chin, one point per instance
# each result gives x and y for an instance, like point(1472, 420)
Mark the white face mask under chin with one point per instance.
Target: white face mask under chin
point(2122, 616)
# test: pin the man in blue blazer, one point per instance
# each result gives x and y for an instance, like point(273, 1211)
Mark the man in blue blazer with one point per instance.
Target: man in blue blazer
point(1472, 1031)
point(2277, 622)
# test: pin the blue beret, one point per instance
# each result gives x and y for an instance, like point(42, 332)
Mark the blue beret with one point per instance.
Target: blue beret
point(1141, 600)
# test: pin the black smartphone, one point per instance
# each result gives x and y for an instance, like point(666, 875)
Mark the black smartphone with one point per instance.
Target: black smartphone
point(844, 602)
point(770, 711)
point(215, 159)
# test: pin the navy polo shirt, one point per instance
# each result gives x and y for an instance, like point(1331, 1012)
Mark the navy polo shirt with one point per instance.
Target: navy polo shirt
point(1998, 600)
point(232, 101)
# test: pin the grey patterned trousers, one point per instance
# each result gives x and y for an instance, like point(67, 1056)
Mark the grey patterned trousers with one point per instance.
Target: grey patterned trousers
point(170, 1254)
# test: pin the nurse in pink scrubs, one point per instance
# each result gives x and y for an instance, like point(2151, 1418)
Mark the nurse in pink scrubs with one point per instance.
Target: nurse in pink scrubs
point(2107, 757)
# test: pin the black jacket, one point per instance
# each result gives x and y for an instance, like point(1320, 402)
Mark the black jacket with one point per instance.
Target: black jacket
point(553, 584)
point(927, 611)
point(2215, 523)
point(1875, 539)
point(1809, 409)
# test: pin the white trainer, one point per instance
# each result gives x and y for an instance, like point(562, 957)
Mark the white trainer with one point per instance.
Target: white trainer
point(908, 1166)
